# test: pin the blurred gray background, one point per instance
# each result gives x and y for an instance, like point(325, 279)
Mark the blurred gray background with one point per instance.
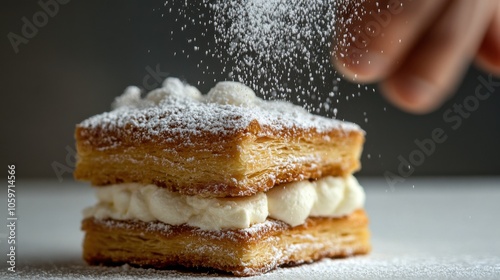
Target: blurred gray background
point(89, 51)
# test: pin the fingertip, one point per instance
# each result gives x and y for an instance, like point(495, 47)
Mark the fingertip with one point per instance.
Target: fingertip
point(366, 68)
point(488, 58)
point(413, 94)
point(488, 65)
point(488, 55)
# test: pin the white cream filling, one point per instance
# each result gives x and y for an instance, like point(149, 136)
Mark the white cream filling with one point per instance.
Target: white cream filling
point(291, 203)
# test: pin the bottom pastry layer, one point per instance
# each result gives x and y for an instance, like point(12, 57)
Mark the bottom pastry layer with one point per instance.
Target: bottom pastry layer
point(243, 252)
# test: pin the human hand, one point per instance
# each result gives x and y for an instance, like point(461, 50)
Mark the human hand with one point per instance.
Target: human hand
point(417, 50)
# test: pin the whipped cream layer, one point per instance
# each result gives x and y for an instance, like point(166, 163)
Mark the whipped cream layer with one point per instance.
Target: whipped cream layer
point(291, 203)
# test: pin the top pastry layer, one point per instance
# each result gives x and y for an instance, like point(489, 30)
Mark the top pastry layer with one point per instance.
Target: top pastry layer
point(225, 143)
point(179, 113)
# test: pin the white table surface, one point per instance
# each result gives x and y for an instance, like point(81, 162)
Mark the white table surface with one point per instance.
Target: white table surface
point(439, 228)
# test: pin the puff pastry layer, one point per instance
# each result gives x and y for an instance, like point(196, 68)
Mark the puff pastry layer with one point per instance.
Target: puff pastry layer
point(240, 163)
point(245, 252)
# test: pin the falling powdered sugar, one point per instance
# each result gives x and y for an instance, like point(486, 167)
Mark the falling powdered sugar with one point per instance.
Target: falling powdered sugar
point(282, 49)
point(270, 42)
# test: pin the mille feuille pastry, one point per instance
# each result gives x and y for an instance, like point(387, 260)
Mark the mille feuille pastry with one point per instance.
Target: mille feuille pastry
point(225, 181)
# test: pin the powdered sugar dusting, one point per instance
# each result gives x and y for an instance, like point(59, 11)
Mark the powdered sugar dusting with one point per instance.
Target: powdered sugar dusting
point(179, 112)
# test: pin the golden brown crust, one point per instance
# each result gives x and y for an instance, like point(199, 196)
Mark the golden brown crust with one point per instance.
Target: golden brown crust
point(241, 252)
point(240, 163)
